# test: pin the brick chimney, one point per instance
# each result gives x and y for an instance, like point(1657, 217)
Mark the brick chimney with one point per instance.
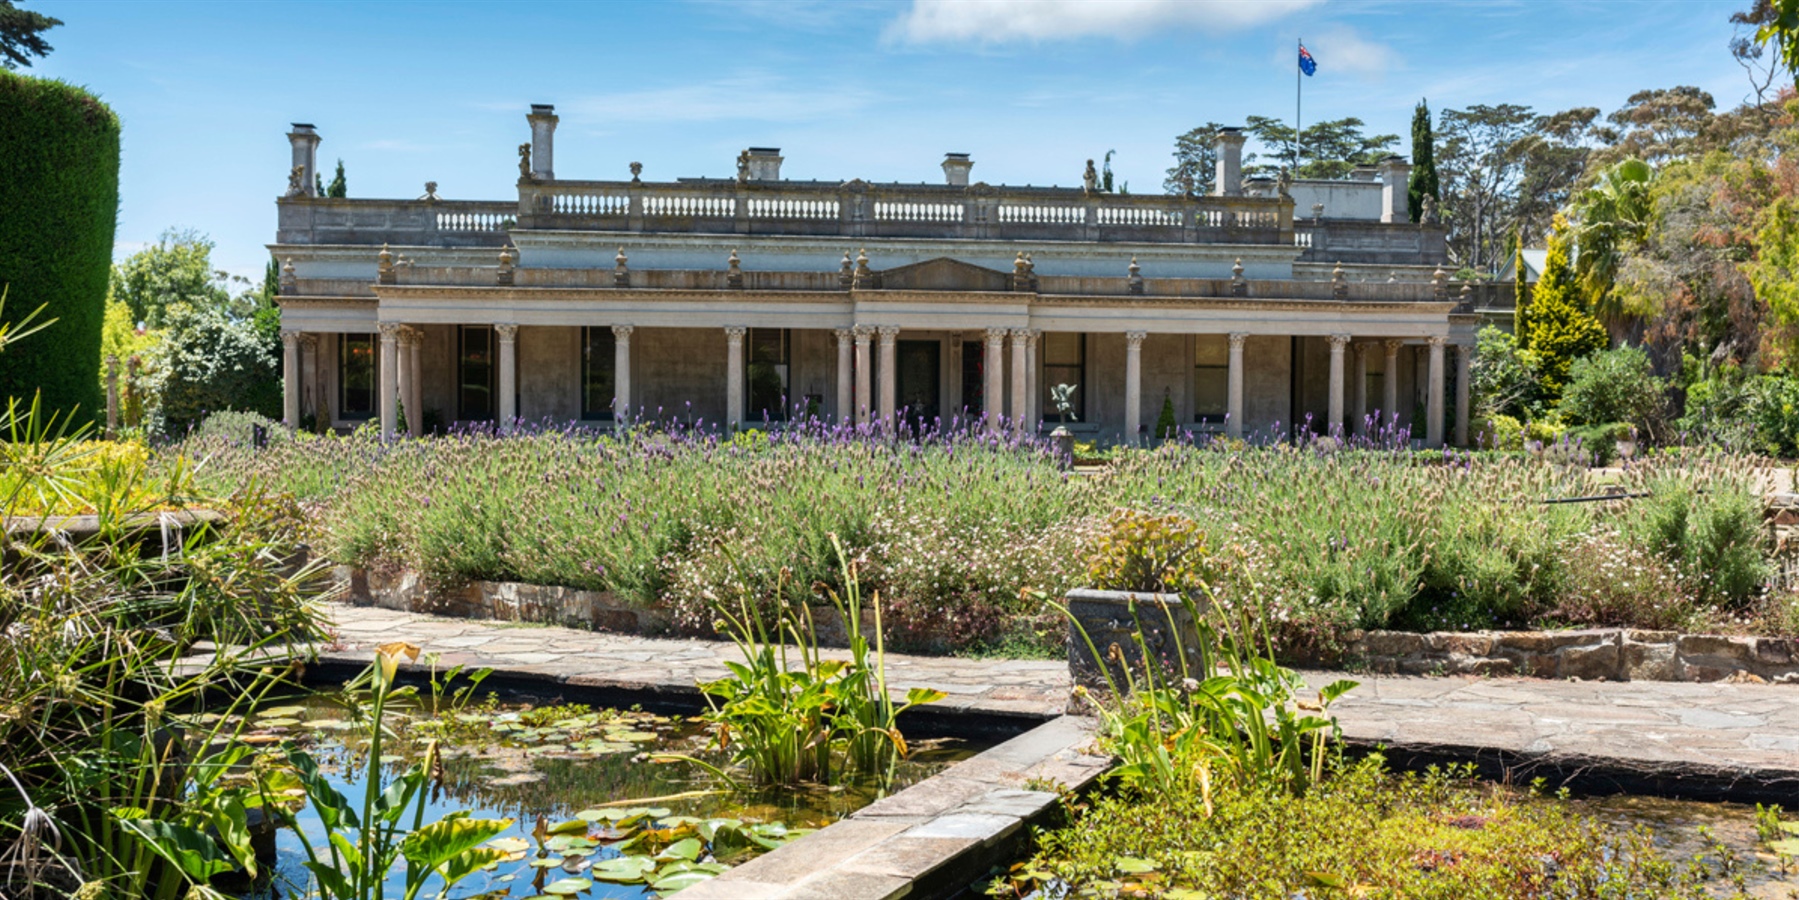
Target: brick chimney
point(543, 141)
point(955, 169)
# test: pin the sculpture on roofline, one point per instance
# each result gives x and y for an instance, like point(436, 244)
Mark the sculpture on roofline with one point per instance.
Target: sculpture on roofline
point(1283, 183)
point(524, 162)
point(1427, 211)
point(296, 181)
point(1090, 178)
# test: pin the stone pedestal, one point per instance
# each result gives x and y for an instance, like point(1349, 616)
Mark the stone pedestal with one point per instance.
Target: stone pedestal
point(1104, 619)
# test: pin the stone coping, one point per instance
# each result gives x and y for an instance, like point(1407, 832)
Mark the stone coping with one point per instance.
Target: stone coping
point(932, 839)
point(86, 525)
point(1612, 654)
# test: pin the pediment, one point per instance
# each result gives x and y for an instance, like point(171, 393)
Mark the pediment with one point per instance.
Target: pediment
point(944, 274)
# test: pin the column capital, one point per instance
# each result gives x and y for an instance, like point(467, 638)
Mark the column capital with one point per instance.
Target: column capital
point(888, 333)
point(844, 334)
point(1359, 348)
point(1237, 338)
point(1135, 338)
point(390, 332)
point(507, 331)
point(996, 335)
point(1021, 336)
point(290, 337)
point(1338, 342)
point(623, 332)
point(1035, 333)
point(1393, 346)
point(734, 333)
point(1437, 341)
point(863, 333)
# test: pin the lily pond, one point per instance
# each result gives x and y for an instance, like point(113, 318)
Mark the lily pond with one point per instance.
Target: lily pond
point(604, 803)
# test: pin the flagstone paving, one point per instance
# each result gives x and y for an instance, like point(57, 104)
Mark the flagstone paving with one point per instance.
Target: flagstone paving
point(1710, 739)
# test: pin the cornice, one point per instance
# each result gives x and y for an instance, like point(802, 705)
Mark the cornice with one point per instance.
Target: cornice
point(303, 301)
point(724, 243)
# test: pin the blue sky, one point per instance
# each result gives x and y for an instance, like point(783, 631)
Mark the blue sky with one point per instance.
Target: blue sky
point(410, 92)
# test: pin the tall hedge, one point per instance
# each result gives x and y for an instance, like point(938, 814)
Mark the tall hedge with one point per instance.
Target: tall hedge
point(59, 203)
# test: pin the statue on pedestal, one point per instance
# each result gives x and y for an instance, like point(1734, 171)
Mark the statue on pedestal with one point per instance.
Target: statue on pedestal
point(524, 162)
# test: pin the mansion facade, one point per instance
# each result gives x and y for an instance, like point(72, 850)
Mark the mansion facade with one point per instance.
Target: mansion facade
point(1266, 308)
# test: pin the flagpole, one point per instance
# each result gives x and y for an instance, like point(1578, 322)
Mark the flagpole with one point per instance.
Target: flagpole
point(1298, 85)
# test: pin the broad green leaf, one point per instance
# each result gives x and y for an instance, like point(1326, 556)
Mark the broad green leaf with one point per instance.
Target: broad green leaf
point(688, 849)
point(1326, 879)
point(920, 696)
point(567, 886)
point(1131, 865)
point(680, 881)
point(510, 844)
point(573, 826)
point(187, 849)
point(1788, 846)
point(443, 841)
point(623, 869)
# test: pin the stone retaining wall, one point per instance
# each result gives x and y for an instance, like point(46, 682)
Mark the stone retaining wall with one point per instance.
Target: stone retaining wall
point(510, 601)
point(1614, 654)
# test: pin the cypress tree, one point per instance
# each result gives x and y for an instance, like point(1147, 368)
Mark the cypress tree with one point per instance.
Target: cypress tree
point(1424, 163)
point(1521, 299)
point(59, 175)
point(338, 188)
point(1560, 327)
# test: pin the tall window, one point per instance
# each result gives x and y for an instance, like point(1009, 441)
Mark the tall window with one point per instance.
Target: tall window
point(770, 370)
point(475, 373)
point(355, 376)
point(599, 372)
point(1211, 378)
point(1065, 362)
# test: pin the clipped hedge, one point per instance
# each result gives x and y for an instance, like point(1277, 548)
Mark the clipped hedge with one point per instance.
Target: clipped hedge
point(59, 202)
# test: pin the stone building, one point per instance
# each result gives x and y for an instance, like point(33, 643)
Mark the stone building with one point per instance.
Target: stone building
point(752, 298)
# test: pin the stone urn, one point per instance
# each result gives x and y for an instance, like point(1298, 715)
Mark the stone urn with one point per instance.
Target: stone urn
point(1061, 443)
point(1626, 447)
point(1100, 621)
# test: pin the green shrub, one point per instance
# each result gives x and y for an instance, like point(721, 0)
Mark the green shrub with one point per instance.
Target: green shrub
point(1560, 328)
point(59, 183)
point(1615, 386)
point(1704, 517)
point(209, 362)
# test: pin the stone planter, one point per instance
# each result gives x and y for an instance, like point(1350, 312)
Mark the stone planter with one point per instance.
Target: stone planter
point(153, 532)
point(1627, 449)
point(1110, 619)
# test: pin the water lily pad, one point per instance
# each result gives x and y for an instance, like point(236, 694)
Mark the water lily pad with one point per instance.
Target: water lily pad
point(680, 881)
point(330, 725)
point(563, 843)
point(596, 815)
point(623, 869)
point(510, 844)
point(1131, 865)
point(634, 737)
point(282, 712)
point(278, 723)
point(1789, 846)
point(567, 886)
point(572, 826)
point(546, 862)
point(688, 849)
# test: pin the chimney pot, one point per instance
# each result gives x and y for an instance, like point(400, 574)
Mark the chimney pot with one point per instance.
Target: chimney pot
point(955, 169)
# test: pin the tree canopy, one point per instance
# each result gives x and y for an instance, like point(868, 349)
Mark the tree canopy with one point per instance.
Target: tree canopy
point(1329, 149)
point(22, 35)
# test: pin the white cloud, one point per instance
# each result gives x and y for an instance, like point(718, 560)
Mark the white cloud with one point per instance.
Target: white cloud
point(1341, 49)
point(999, 21)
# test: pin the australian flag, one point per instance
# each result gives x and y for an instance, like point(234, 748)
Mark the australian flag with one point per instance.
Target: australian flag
point(1307, 64)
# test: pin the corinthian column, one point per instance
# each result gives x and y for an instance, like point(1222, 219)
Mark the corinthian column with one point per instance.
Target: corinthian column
point(845, 371)
point(1021, 341)
point(415, 385)
point(1389, 382)
point(1334, 417)
point(1358, 415)
point(290, 381)
point(889, 373)
point(1433, 426)
point(404, 382)
point(993, 399)
point(733, 377)
point(864, 378)
point(388, 401)
point(1133, 384)
point(621, 373)
point(1233, 420)
point(508, 335)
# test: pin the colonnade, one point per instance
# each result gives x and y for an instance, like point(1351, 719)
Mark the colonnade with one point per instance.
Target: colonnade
point(859, 382)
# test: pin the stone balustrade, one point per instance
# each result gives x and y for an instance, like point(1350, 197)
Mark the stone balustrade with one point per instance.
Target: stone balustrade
point(439, 223)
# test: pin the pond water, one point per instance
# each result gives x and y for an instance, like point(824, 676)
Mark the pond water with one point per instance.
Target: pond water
point(594, 815)
point(1722, 836)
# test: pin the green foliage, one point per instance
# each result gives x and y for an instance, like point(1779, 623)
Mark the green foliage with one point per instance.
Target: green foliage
point(1166, 426)
point(1330, 149)
point(337, 187)
point(364, 841)
point(1424, 182)
point(59, 175)
point(1195, 162)
point(1704, 518)
point(21, 35)
point(177, 270)
point(1616, 386)
point(1502, 376)
point(818, 720)
point(1781, 29)
point(1561, 328)
point(1138, 551)
point(1435, 835)
point(1610, 219)
point(209, 362)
